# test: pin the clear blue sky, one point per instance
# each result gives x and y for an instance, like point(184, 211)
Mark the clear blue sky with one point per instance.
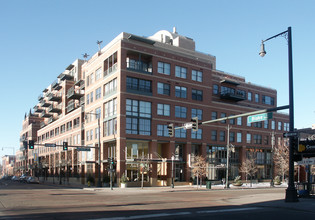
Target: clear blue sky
point(39, 39)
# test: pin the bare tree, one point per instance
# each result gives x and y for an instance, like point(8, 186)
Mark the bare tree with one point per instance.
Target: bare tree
point(199, 168)
point(281, 159)
point(249, 168)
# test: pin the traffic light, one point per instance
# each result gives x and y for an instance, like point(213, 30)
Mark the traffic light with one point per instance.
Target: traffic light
point(31, 144)
point(194, 124)
point(295, 143)
point(65, 145)
point(170, 128)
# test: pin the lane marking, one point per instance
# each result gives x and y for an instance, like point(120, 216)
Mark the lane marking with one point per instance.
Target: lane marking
point(178, 213)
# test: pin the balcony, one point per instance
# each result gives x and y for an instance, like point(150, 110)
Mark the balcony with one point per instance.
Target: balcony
point(54, 97)
point(63, 77)
point(139, 66)
point(37, 109)
point(75, 93)
point(232, 95)
point(54, 108)
point(45, 115)
point(51, 119)
point(42, 124)
point(56, 85)
point(44, 104)
point(110, 70)
point(72, 105)
point(40, 97)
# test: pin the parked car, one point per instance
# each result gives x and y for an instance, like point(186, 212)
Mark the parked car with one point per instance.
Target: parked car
point(23, 178)
point(15, 178)
point(32, 180)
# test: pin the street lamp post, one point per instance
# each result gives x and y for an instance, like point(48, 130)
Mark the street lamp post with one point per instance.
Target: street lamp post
point(291, 194)
point(99, 184)
point(172, 185)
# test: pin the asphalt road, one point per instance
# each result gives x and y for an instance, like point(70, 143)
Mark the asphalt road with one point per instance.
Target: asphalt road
point(38, 201)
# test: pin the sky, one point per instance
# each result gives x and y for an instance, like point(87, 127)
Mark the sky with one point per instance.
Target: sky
point(40, 38)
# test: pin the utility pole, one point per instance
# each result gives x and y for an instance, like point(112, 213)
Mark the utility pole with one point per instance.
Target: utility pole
point(227, 157)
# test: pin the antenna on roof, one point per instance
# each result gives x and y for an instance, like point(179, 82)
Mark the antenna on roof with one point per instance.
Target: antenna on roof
point(85, 56)
point(99, 44)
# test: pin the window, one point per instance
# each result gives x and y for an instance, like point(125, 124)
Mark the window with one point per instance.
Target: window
point(96, 133)
point(76, 122)
point(266, 124)
point(91, 135)
point(110, 108)
point(257, 139)
point(92, 78)
point(98, 93)
point(257, 98)
point(138, 120)
point(249, 96)
point(214, 115)
point(181, 72)
point(279, 125)
point(222, 135)
point(139, 84)
point(180, 92)
point(163, 109)
point(196, 75)
point(215, 89)
point(98, 73)
point(98, 113)
point(232, 137)
point(196, 94)
point(163, 88)
point(239, 137)
point(239, 121)
point(268, 100)
point(213, 135)
point(110, 87)
point(248, 138)
point(232, 121)
point(164, 68)
point(258, 124)
point(91, 97)
point(180, 133)
point(273, 125)
point(196, 113)
point(180, 112)
point(223, 115)
point(286, 126)
point(87, 135)
point(110, 127)
point(88, 99)
point(196, 134)
point(162, 130)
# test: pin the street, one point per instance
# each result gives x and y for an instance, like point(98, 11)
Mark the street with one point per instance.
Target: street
point(39, 201)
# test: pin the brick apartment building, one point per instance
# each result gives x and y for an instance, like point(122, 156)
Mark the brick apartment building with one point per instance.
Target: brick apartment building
point(134, 87)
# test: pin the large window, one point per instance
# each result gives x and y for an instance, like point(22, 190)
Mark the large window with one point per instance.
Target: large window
point(239, 137)
point(196, 134)
point(110, 87)
point(163, 88)
point(180, 91)
point(248, 138)
point(98, 73)
point(180, 112)
point(181, 72)
point(164, 68)
point(196, 75)
point(257, 98)
point(138, 120)
point(196, 94)
point(180, 133)
point(249, 96)
point(110, 108)
point(214, 115)
point(257, 139)
point(213, 135)
point(162, 130)
point(196, 113)
point(222, 135)
point(215, 89)
point(163, 109)
point(268, 100)
point(139, 84)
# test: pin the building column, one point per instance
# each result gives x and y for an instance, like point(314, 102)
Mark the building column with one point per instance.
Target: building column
point(153, 149)
point(121, 157)
point(187, 153)
point(169, 153)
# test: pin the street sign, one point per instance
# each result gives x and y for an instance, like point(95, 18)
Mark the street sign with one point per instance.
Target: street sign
point(259, 117)
point(83, 149)
point(307, 161)
point(290, 134)
point(307, 146)
point(188, 125)
point(50, 145)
